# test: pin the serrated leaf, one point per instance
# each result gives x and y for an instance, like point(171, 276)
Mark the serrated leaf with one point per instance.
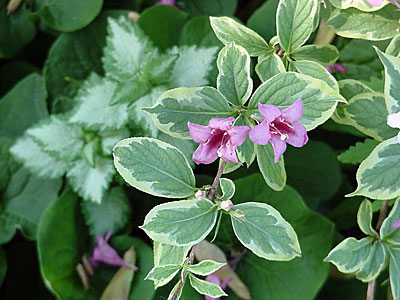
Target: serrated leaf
point(36, 160)
point(269, 66)
point(392, 81)
point(364, 218)
point(181, 223)
point(90, 151)
point(228, 188)
point(274, 173)
point(356, 24)
point(158, 70)
point(206, 288)
point(192, 66)
point(387, 231)
point(110, 138)
point(295, 22)
point(154, 167)
point(378, 176)
point(368, 113)
point(130, 91)
point(376, 261)
point(319, 100)
point(315, 70)
point(357, 153)
point(126, 49)
point(394, 270)
point(58, 138)
point(205, 267)
point(228, 30)
point(263, 230)
point(350, 255)
point(91, 182)
point(234, 81)
point(323, 54)
point(112, 214)
point(163, 274)
point(93, 108)
point(175, 108)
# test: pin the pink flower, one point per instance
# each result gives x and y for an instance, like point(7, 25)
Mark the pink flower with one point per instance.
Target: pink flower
point(393, 120)
point(280, 127)
point(103, 252)
point(339, 68)
point(167, 2)
point(396, 224)
point(380, 2)
point(218, 139)
point(213, 278)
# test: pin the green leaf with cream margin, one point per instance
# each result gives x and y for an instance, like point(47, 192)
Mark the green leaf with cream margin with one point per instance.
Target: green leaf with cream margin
point(181, 223)
point(205, 267)
point(378, 176)
point(163, 274)
point(154, 167)
point(227, 188)
point(228, 30)
point(373, 26)
point(295, 22)
point(234, 81)
point(364, 218)
point(206, 288)
point(262, 229)
point(359, 4)
point(394, 270)
point(387, 232)
point(322, 54)
point(274, 173)
point(175, 108)
point(269, 66)
point(319, 99)
point(392, 81)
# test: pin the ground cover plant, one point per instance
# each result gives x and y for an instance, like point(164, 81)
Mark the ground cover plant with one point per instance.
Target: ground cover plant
point(199, 149)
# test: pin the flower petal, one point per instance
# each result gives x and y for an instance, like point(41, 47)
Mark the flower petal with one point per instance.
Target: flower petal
point(270, 112)
point(298, 137)
point(396, 224)
point(200, 134)
point(223, 124)
point(294, 112)
point(228, 153)
point(375, 2)
point(238, 134)
point(260, 134)
point(206, 153)
point(393, 120)
point(279, 146)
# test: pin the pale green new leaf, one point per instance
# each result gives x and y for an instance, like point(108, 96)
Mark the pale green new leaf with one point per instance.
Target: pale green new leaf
point(126, 49)
point(274, 173)
point(364, 218)
point(206, 288)
point(392, 81)
point(164, 274)
point(387, 232)
point(181, 223)
point(319, 99)
point(154, 167)
point(58, 138)
point(228, 188)
point(228, 30)
point(192, 66)
point(378, 176)
point(268, 66)
point(350, 255)
point(394, 270)
point(262, 229)
point(323, 54)
point(357, 153)
point(91, 182)
point(246, 152)
point(367, 112)
point(205, 267)
point(359, 4)
point(112, 214)
point(295, 22)
point(172, 295)
point(234, 81)
point(373, 26)
point(36, 160)
point(374, 264)
point(315, 70)
point(93, 108)
point(90, 151)
point(175, 108)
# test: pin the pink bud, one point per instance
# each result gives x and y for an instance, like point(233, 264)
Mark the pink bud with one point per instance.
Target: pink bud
point(200, 194)
point(226, 205)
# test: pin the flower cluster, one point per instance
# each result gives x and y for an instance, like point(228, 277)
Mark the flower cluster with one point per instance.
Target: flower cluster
point(220, 138)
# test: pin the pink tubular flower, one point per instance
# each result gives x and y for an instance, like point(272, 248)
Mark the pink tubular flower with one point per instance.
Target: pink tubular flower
point(396, 224)
point(103, 252)
point(337, 67)
point(167, 2)
point(280, 127)
point(380, 2)
point(213, 278)
point(218, 139)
